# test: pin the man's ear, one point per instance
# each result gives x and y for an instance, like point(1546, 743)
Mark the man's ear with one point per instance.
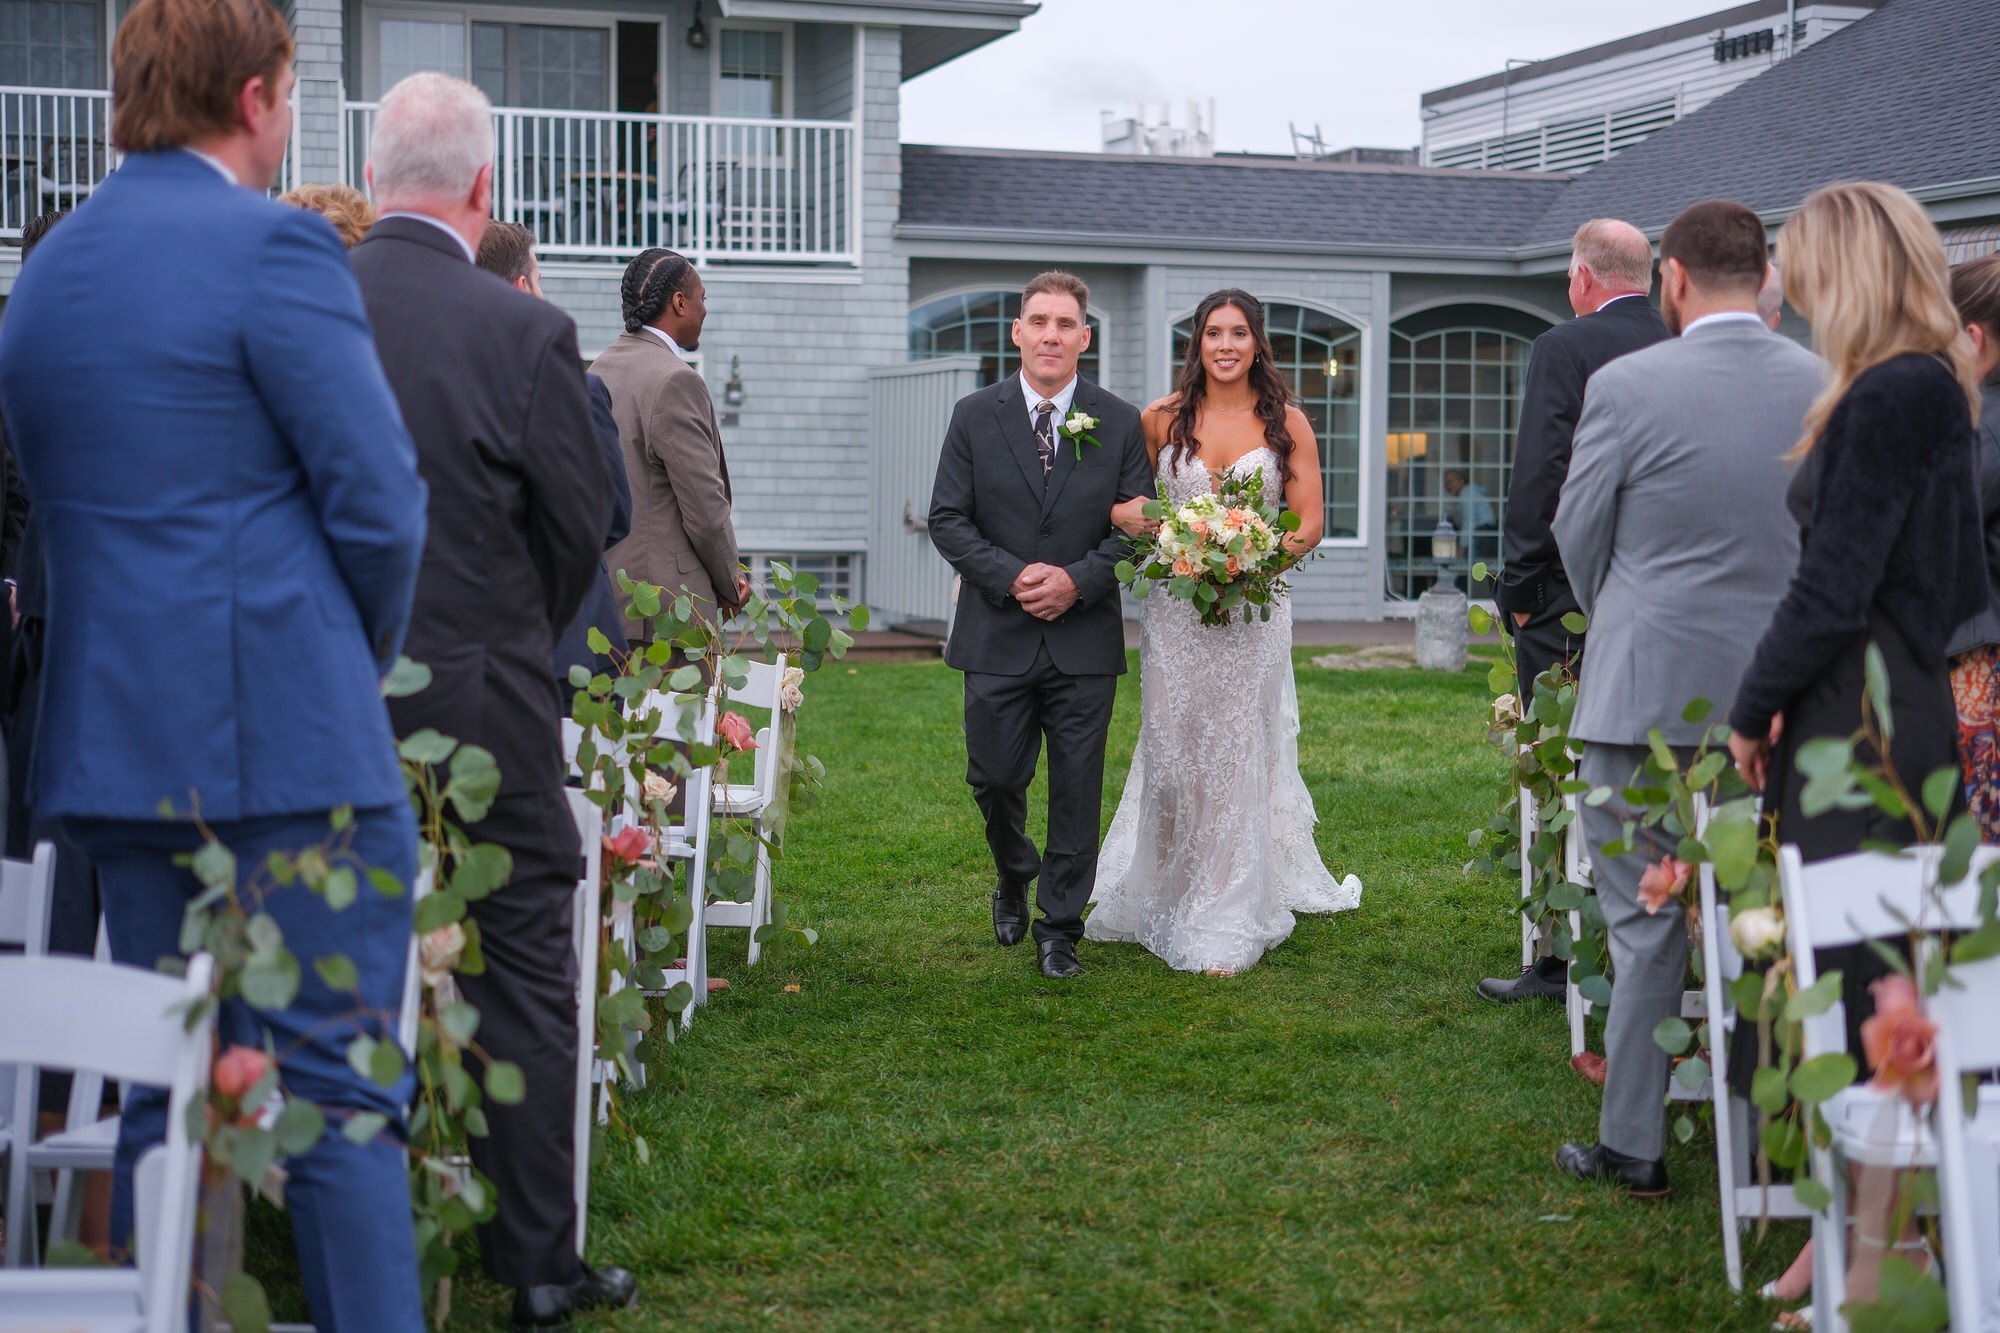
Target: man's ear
point(480, 200)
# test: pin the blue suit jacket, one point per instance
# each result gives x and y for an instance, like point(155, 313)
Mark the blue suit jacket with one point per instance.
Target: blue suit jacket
point(230, 505)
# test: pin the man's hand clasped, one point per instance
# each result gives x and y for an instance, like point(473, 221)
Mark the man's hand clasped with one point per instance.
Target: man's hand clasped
point(1044, 591)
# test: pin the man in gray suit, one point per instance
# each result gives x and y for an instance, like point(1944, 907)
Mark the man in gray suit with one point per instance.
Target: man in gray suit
point(681, 538)
point(1674, 532)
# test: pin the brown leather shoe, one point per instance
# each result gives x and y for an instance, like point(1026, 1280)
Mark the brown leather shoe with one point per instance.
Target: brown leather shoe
point(1591, 1065)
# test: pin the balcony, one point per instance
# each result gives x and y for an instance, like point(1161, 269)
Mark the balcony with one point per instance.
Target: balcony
point(606, 185)
point(55, 150)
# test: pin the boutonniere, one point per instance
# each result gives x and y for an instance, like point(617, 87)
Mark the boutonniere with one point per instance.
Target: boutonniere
point(1076, 428)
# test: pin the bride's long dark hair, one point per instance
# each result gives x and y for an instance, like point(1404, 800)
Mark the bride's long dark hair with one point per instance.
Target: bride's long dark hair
point(1191, 391)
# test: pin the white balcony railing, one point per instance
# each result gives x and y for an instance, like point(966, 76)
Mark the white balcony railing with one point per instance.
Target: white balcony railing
point(610, 184)
point(55, 150)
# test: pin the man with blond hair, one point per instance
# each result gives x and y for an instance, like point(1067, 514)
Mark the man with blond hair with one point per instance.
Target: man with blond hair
point(1610, 273)
point(491, 386)
point(232, 519)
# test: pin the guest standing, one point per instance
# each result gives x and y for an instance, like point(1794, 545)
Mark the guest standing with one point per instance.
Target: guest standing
point(1975, 649)
point(343, 206)
point(1886, 500)
point(507, 251)
point(1610, 273)
point(492, 388)
point(682, 538)
point(1673, 533)
point(232, 518)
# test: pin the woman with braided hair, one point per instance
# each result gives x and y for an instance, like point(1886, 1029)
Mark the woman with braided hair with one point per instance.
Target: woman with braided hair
point(682, 538)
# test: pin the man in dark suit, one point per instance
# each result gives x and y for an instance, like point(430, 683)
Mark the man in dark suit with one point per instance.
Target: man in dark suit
point(1039, 634)
point(1610, 273)
point(232, 519)
point(507, 250)
point(492, 389)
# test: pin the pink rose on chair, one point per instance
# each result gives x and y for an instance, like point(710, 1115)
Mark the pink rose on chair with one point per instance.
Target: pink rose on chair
point(733, 729)
point(238, 1070)
point(1900, 1042)
point(1659, 884)
point(630, 846)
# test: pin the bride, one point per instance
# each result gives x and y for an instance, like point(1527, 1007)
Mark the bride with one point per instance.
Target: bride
point(1211, 851)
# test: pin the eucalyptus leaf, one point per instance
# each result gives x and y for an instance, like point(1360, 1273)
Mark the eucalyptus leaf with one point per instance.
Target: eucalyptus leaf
point(1940, 789)
point(336, 972)
point(1672, 1035)
point(504, 1083)
point(1875, 670)
point(342, 887)
point(1784, 1143)
point(244, 1303)
point(299, 1126)
point(1767, 1090)
point(1697, 711)
point(426, 746)
point(252, 1154)
point(363, 1126)
point(1691, 1073)
point(475, 783)
point(1814, 1000)
point(1811, 1193)
point(1575, 622)
point(1819, 1078)
point(459, 1021)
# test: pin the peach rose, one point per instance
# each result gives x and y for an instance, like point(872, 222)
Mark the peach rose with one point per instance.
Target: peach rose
point(1183, 566)
point(629, 846)
point(438, 953)
point(733, 729)
point(1660, 883)
point(1900, 1042)
point(1231, 566)
point(1199, 528)
point(239, 1069)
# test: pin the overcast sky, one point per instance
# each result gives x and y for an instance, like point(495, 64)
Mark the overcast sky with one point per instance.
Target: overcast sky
point(1354, 67)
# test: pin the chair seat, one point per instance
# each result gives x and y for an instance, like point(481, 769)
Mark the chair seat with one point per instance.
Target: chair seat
point(74, 1300)
point(1880, 1129)
point(86, 1149)
point(739, 798)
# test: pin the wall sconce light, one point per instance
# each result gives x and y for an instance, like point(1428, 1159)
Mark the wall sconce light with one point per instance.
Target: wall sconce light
point(697, 34)
point(732, 392)
point(1333, 367)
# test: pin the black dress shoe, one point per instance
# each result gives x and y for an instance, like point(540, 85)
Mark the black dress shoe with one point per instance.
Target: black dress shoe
point(1010, 915)
point(1059, 960)
point(1639, 1178)
point(1530, 985)
point(551, 1304)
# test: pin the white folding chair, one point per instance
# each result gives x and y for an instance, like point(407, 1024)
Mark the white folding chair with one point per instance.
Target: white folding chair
point(1577, 870)
point(1968, 1041)
point(585, 922)
point(130, 1024)
point(1830, 904)
point(27, 893)
point(1531, 828)
point(687, 717)
point(754, 800)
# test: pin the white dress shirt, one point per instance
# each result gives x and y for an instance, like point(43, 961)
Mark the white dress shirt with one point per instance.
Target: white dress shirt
point(1062, 398)
point(1726, 317)
point(215, 163)
point(666, 338)
point(470, 256)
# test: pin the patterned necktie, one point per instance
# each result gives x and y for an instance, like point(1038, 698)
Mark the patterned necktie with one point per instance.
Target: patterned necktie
point(1045, 436)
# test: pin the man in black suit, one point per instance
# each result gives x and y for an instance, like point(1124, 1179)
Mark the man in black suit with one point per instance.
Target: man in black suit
point(491, 387)
point(1610, 274)
point(507, 250)
point(1023, 513)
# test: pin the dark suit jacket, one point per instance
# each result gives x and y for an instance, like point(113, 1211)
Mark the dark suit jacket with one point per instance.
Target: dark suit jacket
point(600, 603)
point(213, 439)
point(1984, 628)
point(492, 389)
point(1561, 364)
point(992, 516)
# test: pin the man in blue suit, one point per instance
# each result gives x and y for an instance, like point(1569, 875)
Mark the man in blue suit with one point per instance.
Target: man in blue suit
point(233, 521)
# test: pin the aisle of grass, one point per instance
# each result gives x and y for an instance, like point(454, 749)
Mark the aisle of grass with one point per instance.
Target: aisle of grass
point(925, 1134)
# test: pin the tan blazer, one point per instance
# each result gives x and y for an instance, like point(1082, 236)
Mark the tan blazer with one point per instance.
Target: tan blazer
point(681, 537)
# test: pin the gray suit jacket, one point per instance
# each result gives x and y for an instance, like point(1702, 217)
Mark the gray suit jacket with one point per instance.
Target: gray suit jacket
point(1673, 524)
point(681, 533)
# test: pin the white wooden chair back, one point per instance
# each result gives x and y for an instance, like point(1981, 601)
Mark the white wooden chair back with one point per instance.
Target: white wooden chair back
point(27, 893)
point(129, 1024)
point(1968, 1042)
point(687, 717)
point(586, 921)
point(1531, 827)
point(411, 1014)
point(761, 691)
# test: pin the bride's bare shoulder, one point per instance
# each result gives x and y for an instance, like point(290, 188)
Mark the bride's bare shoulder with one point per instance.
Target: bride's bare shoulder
point(1166, 406)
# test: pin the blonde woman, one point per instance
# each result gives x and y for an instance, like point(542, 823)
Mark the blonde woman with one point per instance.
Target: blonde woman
point(344, 206)
point(1886, 500)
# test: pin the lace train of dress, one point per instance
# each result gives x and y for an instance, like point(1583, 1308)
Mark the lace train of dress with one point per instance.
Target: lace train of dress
point(1211, 851)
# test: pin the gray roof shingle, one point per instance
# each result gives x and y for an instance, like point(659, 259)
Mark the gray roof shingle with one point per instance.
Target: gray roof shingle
point(1154, 200)
point(1906, 95)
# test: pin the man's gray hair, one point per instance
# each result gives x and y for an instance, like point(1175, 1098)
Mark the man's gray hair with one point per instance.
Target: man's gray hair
point(1617, 252)
point(432, 135)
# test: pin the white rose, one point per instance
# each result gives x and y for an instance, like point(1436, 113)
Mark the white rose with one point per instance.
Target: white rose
point(658, 788)
point(1506, 710)
point(438, 953)
point(1079, 422)
point(792, 693)
point(1759, 932)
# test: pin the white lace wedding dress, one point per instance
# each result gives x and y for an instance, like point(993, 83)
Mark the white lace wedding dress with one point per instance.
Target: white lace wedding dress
point(1211, 851)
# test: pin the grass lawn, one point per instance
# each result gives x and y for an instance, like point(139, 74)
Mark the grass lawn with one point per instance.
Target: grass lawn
point(926, 1134)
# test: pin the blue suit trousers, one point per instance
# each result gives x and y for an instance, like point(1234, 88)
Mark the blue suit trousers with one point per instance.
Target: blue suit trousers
point(349, 1203)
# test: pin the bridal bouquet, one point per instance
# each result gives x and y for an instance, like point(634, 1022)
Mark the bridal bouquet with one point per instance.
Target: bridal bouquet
point(1223, 552)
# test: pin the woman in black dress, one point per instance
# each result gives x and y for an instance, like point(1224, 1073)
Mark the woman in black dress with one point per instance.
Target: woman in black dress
point(1885, 496)
point(1975, 649)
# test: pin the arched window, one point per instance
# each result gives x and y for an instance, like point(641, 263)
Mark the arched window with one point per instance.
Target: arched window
point(982, 323)
point(1320, 357)
point(1455, 376)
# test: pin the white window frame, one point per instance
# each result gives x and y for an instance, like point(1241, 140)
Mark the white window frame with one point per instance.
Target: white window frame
point(789, 74)
point(467, 15)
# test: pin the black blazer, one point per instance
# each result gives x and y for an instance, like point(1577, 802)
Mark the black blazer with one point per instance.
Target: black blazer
point(1983, 629)
point(992, 516)
point(491, 388)
point(600, 602)
point(1563, 360)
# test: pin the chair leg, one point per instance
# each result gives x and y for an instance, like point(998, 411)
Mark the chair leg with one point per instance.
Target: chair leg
point(20, 1212)
point(1578, 1006)
point(760, 898)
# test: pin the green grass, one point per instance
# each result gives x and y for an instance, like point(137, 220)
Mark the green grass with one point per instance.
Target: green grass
point(927, 1135)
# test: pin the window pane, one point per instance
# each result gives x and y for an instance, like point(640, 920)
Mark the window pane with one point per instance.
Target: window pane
point(489, 61)
point(564, 67)
point(982, 323)
point(415, 46)
point(752, 68)
point(52, 43)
